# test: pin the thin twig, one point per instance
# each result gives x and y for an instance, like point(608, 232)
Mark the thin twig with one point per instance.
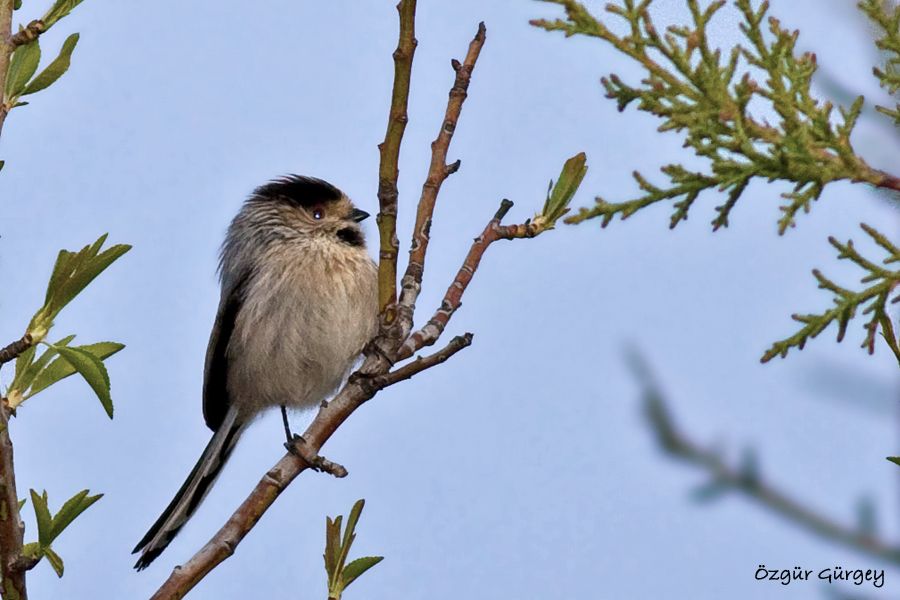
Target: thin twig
point(676, 443)
point(356, 392)
point(432, 330)
point(438, 171)
point(421, 363)
point(389, 170)
point(13, 350)
point(314, 461)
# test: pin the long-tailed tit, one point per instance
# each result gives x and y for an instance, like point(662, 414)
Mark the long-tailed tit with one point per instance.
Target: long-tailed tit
point(298, 304)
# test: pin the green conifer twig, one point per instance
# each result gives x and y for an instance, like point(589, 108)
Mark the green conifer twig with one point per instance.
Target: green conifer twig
point(888, 22)
point(707, 96)
point(873, 300)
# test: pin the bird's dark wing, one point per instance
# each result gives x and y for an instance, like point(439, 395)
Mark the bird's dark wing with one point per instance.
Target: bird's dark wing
point(215, 390)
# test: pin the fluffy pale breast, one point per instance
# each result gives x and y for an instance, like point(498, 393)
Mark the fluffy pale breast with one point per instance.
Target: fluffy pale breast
point(306, 316)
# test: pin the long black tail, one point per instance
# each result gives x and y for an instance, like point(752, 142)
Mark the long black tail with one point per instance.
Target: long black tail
point(191, 493)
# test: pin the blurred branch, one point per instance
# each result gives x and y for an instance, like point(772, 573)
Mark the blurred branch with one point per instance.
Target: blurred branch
point(746, 478)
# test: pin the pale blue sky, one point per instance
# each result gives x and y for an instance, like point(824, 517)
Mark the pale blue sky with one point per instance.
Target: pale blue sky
point(521, 469)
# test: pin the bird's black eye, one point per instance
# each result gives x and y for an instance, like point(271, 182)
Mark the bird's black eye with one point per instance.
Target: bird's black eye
point(317, 214)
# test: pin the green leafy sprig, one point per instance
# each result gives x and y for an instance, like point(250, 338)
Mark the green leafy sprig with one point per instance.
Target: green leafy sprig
point(51, 526)
point(560, 194)
point(695, 89)
point(872, 300)
point(26, 57)
point(72, 273)
point(337, 548)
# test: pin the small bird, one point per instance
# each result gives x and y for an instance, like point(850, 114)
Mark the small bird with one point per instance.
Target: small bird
point(299, 301)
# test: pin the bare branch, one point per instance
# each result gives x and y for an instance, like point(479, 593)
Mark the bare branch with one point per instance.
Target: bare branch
point(421, 363)
point(438, 171)
point(381, 354)
point(359, 388)
point(453, 298)
point(389, 170)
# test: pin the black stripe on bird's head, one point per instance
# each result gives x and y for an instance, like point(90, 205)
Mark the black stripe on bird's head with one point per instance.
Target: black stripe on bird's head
point(303, 192)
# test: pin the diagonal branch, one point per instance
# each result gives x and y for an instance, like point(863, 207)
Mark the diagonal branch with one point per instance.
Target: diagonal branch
point(385, 350)
point(438, 171)
point(355, 393)
point(389, 170)
point(453, 298)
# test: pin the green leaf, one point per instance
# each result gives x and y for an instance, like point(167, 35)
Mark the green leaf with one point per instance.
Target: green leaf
point(357, 568)
point(894, 459)
point(17, 5)
point(73, 507)
point(91, 268)
point(570, 178)
point(94, 372)
point(62, 269)
point(60, 9)
point(24, 63)
point(60, 368)
point(22, 503)
point(25, 380)
point(352, 520)
point(349, 534)
point(23, 363)
point(55, 561)
point(72, 273)
point(55, 69)
point(44, 520)
point(332, 546)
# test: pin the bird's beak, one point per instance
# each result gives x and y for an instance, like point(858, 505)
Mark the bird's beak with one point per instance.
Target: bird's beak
point(358, 215)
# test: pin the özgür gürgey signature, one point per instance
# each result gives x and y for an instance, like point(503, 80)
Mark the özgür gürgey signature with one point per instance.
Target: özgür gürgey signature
point(830, 575)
